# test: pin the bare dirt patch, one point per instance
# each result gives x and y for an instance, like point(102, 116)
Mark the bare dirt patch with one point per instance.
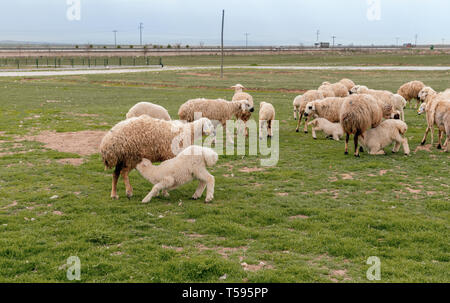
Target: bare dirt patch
point(256, 267)
point(283, 194)
point(71, 161)
point(84, 143)
point(427, 148)
point(347, 177)
point(177, 249)
point(223, 251)
point(251, 169)
point(298, 217)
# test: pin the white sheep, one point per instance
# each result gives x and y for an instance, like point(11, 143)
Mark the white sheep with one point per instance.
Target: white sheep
point(150, 109)
point(219, 111)
point(396, 102)
point(188, 165)
point(375, 139)
point(240, 95)
point(333, 130)
point(266, 116)
point(299, 104)
point(347, 83)
point(129, 141)
point(338, 89)
point(437, 110)
point(328, 108)
point(411, 90)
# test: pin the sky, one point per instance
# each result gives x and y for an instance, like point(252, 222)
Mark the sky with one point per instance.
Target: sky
point(268, 22)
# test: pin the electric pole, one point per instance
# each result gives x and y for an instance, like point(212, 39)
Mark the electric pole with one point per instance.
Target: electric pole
point(415, 39)
point(115, 37)
point(246, 39)
point(141, 27)
point(334, 37)
point(317, 35)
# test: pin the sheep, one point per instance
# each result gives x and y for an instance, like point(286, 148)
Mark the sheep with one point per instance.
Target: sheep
point(150, 109)
point(333, 130)
point(347, 83)
point(188, 165)
point(217, 110)
point(338, 89)
point(358, 114)
point(375, 139)
point(300, 102)
point(328, 108)
point(266, 116)
point(129, 141)
point(438, 113)
point(411, 91)
point(240, 95)
point(386, 97)
point(399, 105)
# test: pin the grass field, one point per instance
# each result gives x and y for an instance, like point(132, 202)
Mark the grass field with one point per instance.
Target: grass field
point(315, 217)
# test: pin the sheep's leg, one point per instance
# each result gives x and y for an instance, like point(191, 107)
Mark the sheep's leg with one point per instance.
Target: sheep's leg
point(205, 177)
point(397, 146)
point(163, 185)
point(336, 137)
point(261, 124)
point(125, 171)
point(440, 133)
point(355, 140)
point(295, 113)
point(300, 115)
point(200, 189)
point(269, 128)
point(209, 188)
point(305, 129)
point(313, 132)
point(405, 146)
point(425, 136)
point(347, 137)
point(402, 114)
point(115, 178)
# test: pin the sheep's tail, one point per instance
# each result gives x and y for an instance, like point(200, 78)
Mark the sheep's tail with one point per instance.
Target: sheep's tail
point(210, 156)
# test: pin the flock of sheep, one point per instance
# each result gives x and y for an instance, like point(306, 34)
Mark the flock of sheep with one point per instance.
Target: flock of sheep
point(374, 117)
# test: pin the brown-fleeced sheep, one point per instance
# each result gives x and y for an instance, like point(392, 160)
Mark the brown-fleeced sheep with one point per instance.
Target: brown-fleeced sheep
point(300, 102)
point(338, 89)
point(150, 109)
point(328, 108)
point(129, 141)
point(347, 83)
point(358, 114)
point(392, 102)
point(410, 90)
point(266, 116)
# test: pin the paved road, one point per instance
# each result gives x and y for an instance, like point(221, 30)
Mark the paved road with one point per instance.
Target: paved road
point(175, 68)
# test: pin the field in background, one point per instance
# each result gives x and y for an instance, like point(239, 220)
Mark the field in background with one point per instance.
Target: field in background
point(315, 217)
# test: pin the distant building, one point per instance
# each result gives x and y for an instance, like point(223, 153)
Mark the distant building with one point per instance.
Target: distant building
point(322, 45)
point(408, 45)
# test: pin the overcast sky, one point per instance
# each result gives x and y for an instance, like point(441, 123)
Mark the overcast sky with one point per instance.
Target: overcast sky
point(268, 22)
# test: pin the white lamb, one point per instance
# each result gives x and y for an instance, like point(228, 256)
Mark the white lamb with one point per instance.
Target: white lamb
point(188, 165)
point(390, 130)
point(333, 130)
point(266, 116)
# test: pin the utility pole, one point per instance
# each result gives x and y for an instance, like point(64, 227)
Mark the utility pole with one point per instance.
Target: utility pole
point(221, 39)
point(246, 39)
point(334, 37)
point(317, 35)
point(141, 27)
point(115, 37)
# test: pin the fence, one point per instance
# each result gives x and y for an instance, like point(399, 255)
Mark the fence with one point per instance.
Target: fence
point(65, 62)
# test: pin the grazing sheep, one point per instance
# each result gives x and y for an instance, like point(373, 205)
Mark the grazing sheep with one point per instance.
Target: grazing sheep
point(338, 89)
point(375, 139)
point(150, 109)
point(333, 130)
point(399, 105)
point(328, 108)
point(129, 141)
point(411, 91)
point(392, 102)
point(300, 104)
point(188, 165)
point(217, 110)
point(266, 116)
point(438, 113)
point(347, 83)
point(358, 114)
point(240, 95)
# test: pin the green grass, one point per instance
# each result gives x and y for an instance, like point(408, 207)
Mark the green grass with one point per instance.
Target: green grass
point(176, 239)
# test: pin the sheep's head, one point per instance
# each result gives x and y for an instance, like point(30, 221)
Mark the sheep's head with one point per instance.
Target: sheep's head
point(310, 108)
point(238, 87)
point(388, 112)
point(354, 89)
point(246, 106)
point(425, 92)
point(326, 83)
point(421, 109)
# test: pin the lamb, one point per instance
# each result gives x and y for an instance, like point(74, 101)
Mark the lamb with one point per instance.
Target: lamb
point(358, 114)
point(129, 141)
point(217, 110)
point(188, 165)
point(240, 95)
point(411, 91)
point(150, 109)
point(333, 130)
point(338, 89)
point(347, 83)
point(438, 113)
point(375, 139)
point(328, 108)
point(300, 104)
point(266, 116)
point(386, 97)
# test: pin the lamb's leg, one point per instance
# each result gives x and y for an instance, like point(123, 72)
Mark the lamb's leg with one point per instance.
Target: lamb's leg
point(335, 137)
point(440, 133)
point(115, 178)
point(405, 146)
point(432, 134)
point(397, 146)
point(425, 136)
point(300, 115)
point(125, 171)
point(347, 137)
point(204, 176)
point(163, 185)
point(313, 132)
point(200, 189)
